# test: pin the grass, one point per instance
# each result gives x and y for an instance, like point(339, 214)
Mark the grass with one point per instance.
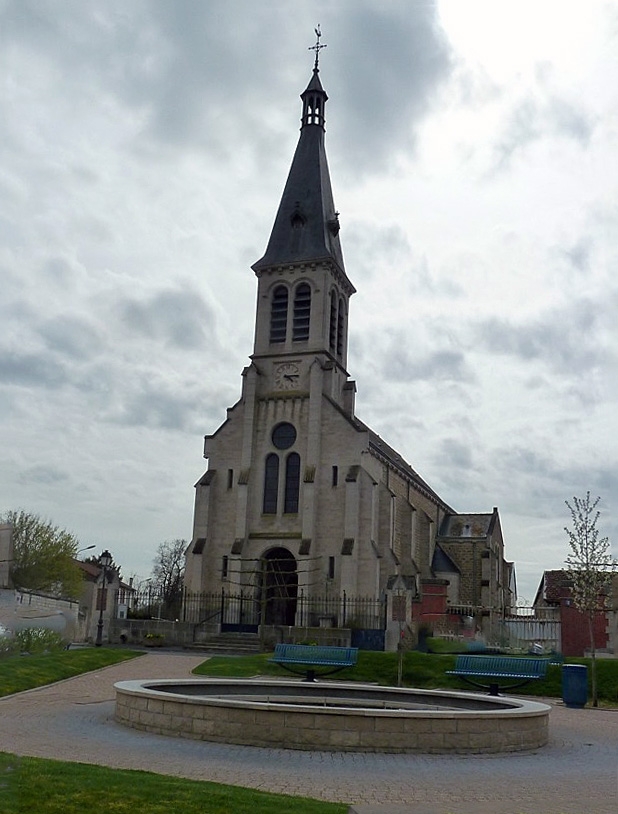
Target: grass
point(420, 670)
point(19, 673)
point(55, 787)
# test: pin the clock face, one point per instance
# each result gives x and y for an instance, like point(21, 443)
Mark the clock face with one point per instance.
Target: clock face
point(287, 376)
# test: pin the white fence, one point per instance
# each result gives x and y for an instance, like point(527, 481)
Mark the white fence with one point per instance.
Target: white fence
point(527, 630)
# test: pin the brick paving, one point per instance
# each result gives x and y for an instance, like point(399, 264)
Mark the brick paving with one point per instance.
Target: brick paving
point(576, 773)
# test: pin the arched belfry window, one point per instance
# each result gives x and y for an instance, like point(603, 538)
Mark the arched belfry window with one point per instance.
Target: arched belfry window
point(302, 313)
point(279, 314)
point(340, 326)
point(292, 483)
point(271, 484)
point(332, 333)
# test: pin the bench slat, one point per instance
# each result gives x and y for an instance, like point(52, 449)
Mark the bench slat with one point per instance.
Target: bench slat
point(315, 656)
point(499, 667)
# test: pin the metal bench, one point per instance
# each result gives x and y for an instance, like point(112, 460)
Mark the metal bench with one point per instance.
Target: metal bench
point(309, 656)
point(504, 668)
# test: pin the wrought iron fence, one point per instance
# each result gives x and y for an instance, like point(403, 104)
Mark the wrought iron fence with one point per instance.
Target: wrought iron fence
point(247, 609)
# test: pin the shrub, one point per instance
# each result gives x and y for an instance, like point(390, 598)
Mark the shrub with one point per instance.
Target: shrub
point(37, 640)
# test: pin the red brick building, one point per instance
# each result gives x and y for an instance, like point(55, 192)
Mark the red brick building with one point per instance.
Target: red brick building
point(555, 591)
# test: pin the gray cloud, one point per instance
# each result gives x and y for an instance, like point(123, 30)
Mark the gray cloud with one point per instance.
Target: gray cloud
point(188, 69)
point(44, 475)
point(455, 452)
point(180, 318)
point(547, 116)
point(401, 57)
point(565, 340)
point(579, 254)
point(410, 365)
point(30, 369)
point(154, 403)
point(146, 140)
point(72, 336)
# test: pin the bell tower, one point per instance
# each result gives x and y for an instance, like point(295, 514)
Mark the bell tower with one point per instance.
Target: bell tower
point(303, 290)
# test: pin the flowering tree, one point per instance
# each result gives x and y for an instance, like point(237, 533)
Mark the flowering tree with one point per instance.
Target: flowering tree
point(589, 568)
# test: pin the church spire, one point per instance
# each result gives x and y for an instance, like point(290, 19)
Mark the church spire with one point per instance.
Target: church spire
point(306, 227)
point(314, 97)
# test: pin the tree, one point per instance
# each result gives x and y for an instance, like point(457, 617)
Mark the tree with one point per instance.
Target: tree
point(590, 566)
point(168, 574)
point(43, 555)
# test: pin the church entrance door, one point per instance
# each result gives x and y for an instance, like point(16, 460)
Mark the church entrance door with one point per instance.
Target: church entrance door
point(279, 587)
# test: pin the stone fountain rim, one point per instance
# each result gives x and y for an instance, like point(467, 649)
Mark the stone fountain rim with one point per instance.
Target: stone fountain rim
point(494, 707)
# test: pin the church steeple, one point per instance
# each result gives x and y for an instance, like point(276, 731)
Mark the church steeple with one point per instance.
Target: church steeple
point(306, 227)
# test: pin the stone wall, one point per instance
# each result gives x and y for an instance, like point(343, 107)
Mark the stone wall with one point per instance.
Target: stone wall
point(521, 726)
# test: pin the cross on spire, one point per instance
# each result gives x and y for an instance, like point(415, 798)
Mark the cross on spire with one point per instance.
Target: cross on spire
point(317, 47)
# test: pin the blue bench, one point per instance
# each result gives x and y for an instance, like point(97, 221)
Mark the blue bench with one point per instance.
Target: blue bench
point(309, 656)
point(521, 670)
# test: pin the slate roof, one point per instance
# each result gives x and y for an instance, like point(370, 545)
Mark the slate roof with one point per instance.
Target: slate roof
point(306, 227)
point(442, 563)
point(379, 445)
point(468, 526)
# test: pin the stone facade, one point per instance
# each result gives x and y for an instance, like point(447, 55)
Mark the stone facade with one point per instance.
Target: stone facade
point(301, 496)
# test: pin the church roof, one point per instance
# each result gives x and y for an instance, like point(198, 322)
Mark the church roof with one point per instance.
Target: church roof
point(468, 525)
point(306, 227)
point(382, 448)
point(442, 563)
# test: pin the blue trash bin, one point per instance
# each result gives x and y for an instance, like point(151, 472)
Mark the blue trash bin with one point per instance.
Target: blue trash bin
point(575, 685)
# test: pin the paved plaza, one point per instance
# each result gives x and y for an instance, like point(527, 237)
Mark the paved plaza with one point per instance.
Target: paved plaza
point(576, 773)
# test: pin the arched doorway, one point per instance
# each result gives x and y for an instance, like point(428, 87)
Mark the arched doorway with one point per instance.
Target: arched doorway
point(279, 587)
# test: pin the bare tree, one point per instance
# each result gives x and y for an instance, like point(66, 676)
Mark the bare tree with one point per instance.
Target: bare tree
point(589, 568)
point(168, 574)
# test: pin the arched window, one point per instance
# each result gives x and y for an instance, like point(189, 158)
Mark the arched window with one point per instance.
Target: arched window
point(302, 313)
point(340, 326)
point(271, 484)
point(279, 314)
point(292, 483)
point(332, 335)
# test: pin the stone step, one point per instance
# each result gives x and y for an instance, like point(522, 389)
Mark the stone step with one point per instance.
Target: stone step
point(220, 651)
point(229, 643)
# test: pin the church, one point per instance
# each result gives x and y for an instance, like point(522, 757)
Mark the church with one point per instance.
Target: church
point(303, 501)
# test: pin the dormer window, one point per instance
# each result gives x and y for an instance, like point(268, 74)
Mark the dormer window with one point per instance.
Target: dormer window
point(298, 220)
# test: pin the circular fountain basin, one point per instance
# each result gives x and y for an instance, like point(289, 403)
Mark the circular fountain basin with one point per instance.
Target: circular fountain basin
point(331, 716)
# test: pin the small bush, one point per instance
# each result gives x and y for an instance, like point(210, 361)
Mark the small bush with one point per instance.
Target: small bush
point(37, 640)
point(7, 645)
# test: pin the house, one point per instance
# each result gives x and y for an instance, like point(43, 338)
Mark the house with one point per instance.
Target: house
point(101, 601)
point(555, 591)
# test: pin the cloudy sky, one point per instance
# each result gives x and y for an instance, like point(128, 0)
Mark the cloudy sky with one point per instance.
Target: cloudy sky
point(473, 148)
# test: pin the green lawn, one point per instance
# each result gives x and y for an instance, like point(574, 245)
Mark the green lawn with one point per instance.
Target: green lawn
point(421, 670)
point(54, 787)
point(19, 673)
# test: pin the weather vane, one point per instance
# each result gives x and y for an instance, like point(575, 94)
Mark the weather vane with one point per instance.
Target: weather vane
point(317, 47)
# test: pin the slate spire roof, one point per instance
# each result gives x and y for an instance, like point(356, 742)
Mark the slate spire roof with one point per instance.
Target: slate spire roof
point(306, 227)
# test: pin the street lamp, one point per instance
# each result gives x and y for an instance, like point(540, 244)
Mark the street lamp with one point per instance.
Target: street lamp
point(88, 547)
point(105, 561)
